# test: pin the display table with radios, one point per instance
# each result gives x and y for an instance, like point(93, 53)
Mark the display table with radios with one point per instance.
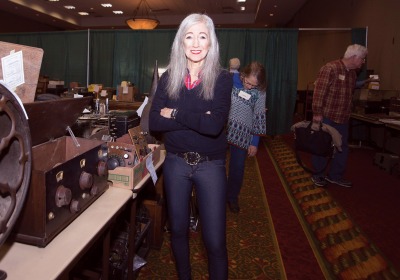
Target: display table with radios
point(379, 129)
point(21, 261)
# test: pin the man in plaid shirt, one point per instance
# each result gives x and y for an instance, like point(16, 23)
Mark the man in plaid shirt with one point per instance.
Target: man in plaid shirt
point(332, 97)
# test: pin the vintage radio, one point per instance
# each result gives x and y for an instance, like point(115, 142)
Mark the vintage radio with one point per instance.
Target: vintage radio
point(121, 121)
point(121, 155)
point(68, 173)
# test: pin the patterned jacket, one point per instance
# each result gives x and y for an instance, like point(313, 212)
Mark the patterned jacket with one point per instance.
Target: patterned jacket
point(246, 117)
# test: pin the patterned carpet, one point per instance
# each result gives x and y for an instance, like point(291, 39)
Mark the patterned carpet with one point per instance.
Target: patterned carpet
point(342, 250)
point(252, 246)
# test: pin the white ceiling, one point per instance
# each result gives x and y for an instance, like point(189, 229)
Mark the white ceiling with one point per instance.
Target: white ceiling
point(225, 13)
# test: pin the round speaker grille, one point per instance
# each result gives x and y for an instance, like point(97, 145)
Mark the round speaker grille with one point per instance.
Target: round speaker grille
point(15, 160)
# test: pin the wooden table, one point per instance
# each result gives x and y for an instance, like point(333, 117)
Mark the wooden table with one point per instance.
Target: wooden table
point(21, 261)
point(375, 120)
point(123, 105)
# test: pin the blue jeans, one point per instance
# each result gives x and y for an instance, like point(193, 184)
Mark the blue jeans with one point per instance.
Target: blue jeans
point(236, 172)
point(338, 164)
point(209, 181)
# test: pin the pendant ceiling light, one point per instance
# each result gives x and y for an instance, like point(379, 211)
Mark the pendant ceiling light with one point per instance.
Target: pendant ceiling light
point(141, 17)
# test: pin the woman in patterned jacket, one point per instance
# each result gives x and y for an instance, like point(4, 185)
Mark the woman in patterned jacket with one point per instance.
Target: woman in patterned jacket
point(247, 120)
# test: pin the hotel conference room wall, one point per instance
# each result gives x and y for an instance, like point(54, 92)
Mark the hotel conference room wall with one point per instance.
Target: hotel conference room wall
point(109, 57)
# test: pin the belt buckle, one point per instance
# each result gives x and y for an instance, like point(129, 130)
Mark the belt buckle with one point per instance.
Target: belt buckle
point(192, 158)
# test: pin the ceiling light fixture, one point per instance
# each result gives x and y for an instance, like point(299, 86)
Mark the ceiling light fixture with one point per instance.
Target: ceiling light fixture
point(141, 18)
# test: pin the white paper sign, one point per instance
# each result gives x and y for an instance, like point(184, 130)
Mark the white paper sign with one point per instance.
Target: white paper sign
point(16, 97)
point(139, 111)
point(13, 69)
point(151, 169)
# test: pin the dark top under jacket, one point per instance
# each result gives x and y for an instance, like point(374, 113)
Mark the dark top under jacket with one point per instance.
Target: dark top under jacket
point(193, 130)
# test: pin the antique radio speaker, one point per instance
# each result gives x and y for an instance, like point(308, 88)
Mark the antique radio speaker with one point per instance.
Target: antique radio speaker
point(15, 162)
point(68, 173)
point(15, 139)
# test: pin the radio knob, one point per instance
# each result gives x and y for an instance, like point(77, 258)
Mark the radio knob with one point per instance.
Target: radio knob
point(75, 206)
point(94, 190)
point(102, 169)
point(114, 161)
point(63, 196)
point(126, 156)
point(85, 180)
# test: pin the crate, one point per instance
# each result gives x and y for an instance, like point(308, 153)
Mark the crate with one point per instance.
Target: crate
point(387, 162)
point(157, 213)
point(126, 93)
point(129, 177)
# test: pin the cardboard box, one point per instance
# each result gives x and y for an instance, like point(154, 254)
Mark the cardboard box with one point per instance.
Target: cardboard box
point(368, 94)
point(373, 85)
point(126, 93)
point(95, 87)
point(55, 84)
point(129, 177)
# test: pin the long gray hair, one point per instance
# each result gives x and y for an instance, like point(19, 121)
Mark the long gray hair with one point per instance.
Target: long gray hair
point(177, 67)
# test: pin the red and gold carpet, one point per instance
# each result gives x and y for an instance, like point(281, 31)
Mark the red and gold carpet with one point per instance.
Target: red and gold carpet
point(252, 246)
point(341, 248)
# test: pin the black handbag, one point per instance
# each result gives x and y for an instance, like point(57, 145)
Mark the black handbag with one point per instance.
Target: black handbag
point(314, 142)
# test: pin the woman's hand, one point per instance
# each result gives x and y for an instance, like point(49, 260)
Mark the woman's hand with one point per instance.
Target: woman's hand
point(252, 151)
point(166, 112)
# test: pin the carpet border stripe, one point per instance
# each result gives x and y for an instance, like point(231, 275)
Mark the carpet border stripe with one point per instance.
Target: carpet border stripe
point(298, 214)
point(267, 210)
point(328, 232)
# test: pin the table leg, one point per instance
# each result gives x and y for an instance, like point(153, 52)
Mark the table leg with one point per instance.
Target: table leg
point(131, 239)
point(106, 254)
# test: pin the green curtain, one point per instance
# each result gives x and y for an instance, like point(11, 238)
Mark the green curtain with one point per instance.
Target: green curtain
point(65, 56)
point(101, 48)
point(136, 53)
point(276, 49)
point(64, 53)
point(359, 36)
point(232, 43)
point(126, 55)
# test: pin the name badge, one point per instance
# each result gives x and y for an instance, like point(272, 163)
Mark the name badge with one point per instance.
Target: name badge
point(244, 95)
point(341, 77)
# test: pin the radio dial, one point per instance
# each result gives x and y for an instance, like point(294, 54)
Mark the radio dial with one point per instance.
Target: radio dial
point(63, 196)
point(94, 190)
point(114, 161)
point(102, 169)
point(85, 180)
point(75, 206)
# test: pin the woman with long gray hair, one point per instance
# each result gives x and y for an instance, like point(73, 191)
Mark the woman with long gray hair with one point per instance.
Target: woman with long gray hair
point(190, 108)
